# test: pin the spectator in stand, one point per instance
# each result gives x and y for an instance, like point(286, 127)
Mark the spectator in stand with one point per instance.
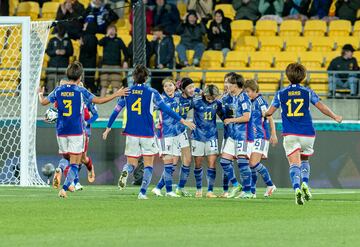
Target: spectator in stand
point(219, 33)
point(166, 15)
point(192, 31)
point(71, 9)
point(88, 51)
point(112, 48)
point(149, 53)
point(59, 50)
point(203, 7)
point(164, 49)
point(347, 9)
point(149, 14)
point(101, 14)
point(246, 9)
point(317, 9)
point(345, 62)
point(271, 9)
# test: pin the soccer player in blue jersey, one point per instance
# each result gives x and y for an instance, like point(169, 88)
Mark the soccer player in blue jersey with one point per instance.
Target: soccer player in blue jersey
point(298, 129)
point(139, 129)
point(264, 133)
point(70, 126)
point(237, 133)
point(204, 139)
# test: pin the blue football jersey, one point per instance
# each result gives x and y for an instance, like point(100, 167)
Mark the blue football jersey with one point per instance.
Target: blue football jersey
point(140, 105)
point(185, 105)
point(205, 119)
point(70, 103)
point(260, 124)
point(234, 107)
point(93, 110)
point(170, 126)
point(294, 101)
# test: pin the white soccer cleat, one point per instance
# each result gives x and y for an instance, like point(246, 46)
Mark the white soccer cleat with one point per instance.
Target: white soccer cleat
point(270, 190)
point(253, 196)
point(245, 195)
point(142, 197)
point(156, 192)
point(123, 180)
point(172, 194)
point(78, 186)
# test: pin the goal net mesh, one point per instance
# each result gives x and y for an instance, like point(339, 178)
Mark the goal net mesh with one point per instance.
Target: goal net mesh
point(11, 84)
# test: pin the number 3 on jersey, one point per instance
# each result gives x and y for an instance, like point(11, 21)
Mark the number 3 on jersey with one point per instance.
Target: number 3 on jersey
point(299, 104)
point(68, 105)
point(136, 106)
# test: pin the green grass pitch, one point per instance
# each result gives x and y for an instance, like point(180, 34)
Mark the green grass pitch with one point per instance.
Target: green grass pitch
point(105, 216)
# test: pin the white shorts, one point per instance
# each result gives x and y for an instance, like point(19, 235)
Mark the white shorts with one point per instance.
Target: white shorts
point(140, 146)
point(260, 146)
point(204, 148)
point(293, 143)
point(71, 144)
point(173, 145)
point(235, 148)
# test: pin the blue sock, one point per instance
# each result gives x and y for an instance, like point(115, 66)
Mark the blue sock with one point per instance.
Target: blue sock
point(63, 163)
point(229, 171)
point(260, 168)
point(211, 175)
point(184, 174)
point(253, 180)
point(168, 171)
point(295, 173)
point(225, 183)
point(76, 180)
point(161, 182)
point(148, 170)
point(245, 174)
point(72, 174)
point(129, 168)
point(198, 172)
point(305, 171)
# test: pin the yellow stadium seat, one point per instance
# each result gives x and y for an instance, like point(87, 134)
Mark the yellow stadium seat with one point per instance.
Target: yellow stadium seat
point(240, 28)
point(271, 43)
point(236, 59)
point(314, 61)
point(247, 43)
point(228, 9)
point(322, 44)
point(290, 28)
point(315, 28)
point(338, 28)
point(189, 55)
point(126, 38)
point(195, 76)
point(84, 2)
point(31, 9)
point(12, 6)
point(182, 7)
point(341, 41)
point(49, 10)
point(176, 39)
point(123, 26)
point(266, 28)
point(356, 32)
point(283, 59)
point(296, 44)
point(216, 77)
point(211, 60)
point(261, 60)
point(329, 56)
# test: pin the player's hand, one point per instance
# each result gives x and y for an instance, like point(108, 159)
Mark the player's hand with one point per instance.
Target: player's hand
point(338, 118)
point(188, 124)
point(274, 140)
point(122, 92)
point(41, 90)
point(105, 134)
point(227, 121)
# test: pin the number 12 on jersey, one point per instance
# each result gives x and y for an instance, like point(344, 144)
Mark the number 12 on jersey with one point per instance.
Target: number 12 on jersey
point(298, 104)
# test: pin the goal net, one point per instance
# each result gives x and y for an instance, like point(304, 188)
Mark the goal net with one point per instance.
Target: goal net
point(22, 47)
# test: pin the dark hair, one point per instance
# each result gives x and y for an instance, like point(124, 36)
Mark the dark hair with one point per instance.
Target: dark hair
point(221, 12)
point(185, 81)
point(296, 73)
point(74, 71)
point(252, 84)
point(237, 79)
point(140, 74)
point(211, 90)
point(227, 75)
point(159, 28)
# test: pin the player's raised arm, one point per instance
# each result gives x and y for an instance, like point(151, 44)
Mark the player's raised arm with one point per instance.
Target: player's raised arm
point(274, 106)
point(328, 112)
point(118, 108)
point(119, 93)
point(43, 100)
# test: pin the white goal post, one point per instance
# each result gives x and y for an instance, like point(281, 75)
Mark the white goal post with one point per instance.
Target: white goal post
point(22, 47)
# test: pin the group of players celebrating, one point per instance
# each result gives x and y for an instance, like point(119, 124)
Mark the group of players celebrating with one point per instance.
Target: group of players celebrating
point(248, 131)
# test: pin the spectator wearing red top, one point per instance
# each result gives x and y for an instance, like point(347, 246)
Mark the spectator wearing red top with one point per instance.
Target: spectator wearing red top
point(149, 17)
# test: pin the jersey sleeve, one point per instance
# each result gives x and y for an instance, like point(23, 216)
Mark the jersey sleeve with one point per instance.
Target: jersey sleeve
point(276, 101)
point(88, 97)
point(120, 104)
point(52, 96)
point(314, 98)
point(263, 105)
point(157, 99)
point(245, 104)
